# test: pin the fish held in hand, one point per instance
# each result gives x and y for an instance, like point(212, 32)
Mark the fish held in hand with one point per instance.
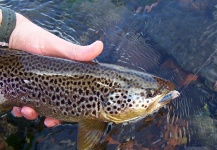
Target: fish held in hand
point(88, 93)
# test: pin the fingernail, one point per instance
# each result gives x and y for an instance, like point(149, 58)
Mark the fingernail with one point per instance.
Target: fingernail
point(16, 112)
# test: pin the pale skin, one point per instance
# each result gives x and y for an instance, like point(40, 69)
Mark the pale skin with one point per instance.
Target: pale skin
point(29, 37)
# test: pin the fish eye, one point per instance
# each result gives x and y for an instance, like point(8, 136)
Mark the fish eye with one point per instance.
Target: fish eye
point(149, 94)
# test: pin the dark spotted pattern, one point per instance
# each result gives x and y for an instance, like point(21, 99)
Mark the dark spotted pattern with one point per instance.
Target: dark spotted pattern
point(119, 100)
point(69, 90)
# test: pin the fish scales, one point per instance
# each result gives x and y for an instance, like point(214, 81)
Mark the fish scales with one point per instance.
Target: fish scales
point(66, 89)
point(69, 90)
point(80, 91)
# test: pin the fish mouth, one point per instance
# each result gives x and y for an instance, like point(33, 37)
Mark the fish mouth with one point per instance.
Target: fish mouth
point(167, 90)
point(169, 96)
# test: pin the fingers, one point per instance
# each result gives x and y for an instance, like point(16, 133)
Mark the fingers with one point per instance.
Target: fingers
point(85, 53)
point(61, 48)
point(31, 114)
point(64, 49)
point(45, 43)
point(26, 112)
point(16, 111)
point(51, 122)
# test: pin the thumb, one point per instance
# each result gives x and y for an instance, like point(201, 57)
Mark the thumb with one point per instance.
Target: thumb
point(82, 53)
point(29, 37)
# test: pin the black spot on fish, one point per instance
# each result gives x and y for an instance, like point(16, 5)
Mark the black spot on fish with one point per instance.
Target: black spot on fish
point(69, 102)
point(94, 112)
point(88, 106)
point(53, 97)
point(62, 102)
point(108, 108)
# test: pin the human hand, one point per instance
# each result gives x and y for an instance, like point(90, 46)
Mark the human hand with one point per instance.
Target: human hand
point(29, 37)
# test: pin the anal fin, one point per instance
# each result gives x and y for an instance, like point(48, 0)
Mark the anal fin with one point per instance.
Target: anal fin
point(89, 133)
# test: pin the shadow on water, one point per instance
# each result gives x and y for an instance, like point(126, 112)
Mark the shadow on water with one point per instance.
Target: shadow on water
point(175, 40)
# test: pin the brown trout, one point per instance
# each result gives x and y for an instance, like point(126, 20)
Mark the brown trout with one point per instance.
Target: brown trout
point(84, 92)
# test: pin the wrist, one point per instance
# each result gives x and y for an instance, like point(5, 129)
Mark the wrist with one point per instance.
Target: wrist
point(7, 24)
point(20, 19)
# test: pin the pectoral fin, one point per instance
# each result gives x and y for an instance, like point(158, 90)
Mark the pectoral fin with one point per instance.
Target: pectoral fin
point(89, 133)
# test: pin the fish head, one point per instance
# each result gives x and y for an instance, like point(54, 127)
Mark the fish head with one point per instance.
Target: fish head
point(140, 100)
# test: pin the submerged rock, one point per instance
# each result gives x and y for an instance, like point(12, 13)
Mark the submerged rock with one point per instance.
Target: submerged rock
point(189, 36)
point(60, 137)
point(204, 129)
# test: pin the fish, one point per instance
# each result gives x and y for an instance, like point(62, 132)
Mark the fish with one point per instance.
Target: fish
point(92, 94)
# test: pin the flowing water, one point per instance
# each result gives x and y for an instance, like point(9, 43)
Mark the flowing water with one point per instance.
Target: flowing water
point(175, 39)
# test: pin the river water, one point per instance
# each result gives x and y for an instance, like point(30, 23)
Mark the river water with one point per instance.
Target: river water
point(174, 39)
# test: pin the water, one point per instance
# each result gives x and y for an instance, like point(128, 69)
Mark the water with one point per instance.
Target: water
point(173, 40)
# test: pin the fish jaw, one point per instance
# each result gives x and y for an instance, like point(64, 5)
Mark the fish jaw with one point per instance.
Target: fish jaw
point(130, 114)
point(171, 95)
